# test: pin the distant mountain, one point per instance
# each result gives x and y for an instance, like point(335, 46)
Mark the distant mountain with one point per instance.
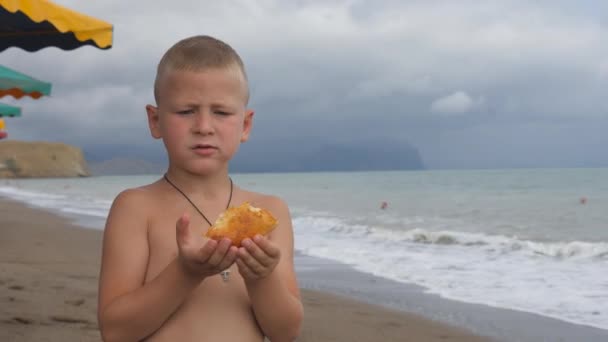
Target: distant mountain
point(311, 156)
point(124, 166)
point(292, 156)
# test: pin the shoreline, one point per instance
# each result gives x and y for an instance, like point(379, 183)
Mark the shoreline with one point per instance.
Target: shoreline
point(337, 298)
point(499, 324)
point(48, 290)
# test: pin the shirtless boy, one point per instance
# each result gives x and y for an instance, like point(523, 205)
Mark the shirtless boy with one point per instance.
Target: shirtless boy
point(160, 279)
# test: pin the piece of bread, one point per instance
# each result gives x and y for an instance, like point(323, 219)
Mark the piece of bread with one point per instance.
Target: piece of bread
point(244, 221)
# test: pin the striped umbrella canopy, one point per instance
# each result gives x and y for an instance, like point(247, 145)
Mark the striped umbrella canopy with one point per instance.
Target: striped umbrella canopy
point(10, 111)
point(18, 85)
point(36, 24)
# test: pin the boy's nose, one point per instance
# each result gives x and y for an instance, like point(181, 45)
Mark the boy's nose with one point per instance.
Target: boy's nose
point(202, 123)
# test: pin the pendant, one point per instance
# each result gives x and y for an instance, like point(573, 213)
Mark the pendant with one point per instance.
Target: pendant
point(225, 275)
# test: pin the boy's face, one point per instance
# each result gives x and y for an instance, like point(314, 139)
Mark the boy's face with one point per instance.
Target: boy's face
point(201, 117)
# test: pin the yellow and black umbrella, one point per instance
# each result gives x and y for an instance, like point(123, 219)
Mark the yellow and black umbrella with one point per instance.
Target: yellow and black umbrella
point(36, 24)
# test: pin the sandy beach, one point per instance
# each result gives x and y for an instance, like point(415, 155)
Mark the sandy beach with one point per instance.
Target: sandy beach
point(48, 286)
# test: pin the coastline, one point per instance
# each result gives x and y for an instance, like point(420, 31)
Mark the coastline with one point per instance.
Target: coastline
point(48, 290)
point(48, 286)
point(498, 324)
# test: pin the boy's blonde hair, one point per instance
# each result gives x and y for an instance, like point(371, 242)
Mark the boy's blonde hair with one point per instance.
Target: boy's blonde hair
point(199, 53)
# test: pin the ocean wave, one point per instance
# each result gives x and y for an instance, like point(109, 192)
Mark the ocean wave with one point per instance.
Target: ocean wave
point(21, 194)
point(63, 203)
point(496, 244)
point(94, 212)
point(494, 270)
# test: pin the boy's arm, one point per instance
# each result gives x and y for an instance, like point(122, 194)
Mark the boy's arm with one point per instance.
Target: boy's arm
point(276, 297)
point(130, 309)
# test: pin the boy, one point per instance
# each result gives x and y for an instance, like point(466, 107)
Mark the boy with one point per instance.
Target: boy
point(160, 279)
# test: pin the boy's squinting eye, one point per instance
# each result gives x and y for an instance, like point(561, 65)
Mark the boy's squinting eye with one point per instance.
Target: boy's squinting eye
point(184, 112)
point(221, 112)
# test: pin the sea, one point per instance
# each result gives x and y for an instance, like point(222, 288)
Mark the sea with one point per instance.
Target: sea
point(534, 240)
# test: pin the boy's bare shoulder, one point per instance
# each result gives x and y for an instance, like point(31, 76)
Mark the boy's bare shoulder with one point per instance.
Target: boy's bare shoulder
point(138, 198)
point(133, 209)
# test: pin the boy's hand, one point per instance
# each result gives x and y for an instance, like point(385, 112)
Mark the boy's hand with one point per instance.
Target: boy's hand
point(199, 256)
point(257, 258)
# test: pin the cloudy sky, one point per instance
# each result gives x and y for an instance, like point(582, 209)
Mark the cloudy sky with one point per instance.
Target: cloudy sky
point(471, 84)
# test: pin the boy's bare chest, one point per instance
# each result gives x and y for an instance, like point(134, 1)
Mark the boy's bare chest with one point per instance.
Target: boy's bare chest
point(213, 303)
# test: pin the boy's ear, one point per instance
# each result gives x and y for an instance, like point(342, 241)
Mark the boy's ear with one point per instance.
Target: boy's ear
point(247, 123)
point(153, 121)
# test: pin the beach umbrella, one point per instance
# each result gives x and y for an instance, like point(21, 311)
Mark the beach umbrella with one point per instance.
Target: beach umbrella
point(36, 24)
point(18, 85)
point(3, 134)
point(10, 111)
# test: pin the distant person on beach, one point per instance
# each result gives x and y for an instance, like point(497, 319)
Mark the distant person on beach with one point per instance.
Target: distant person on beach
point(160, 278)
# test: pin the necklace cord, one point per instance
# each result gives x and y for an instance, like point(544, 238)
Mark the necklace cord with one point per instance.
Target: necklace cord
point(192, 203)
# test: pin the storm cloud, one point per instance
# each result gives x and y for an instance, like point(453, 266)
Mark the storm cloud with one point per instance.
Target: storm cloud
point(471, 84)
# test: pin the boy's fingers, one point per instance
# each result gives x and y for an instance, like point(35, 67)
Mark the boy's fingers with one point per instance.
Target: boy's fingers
point(254, 265)
point(218, 255)
point(258, 253)
point(182, 231)
point(229, 258)
point(268, 248)
point(207, 250)
point(232, 254)
point(244, 269)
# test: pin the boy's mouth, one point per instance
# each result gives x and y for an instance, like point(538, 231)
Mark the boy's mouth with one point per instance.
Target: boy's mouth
point(203, 148)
